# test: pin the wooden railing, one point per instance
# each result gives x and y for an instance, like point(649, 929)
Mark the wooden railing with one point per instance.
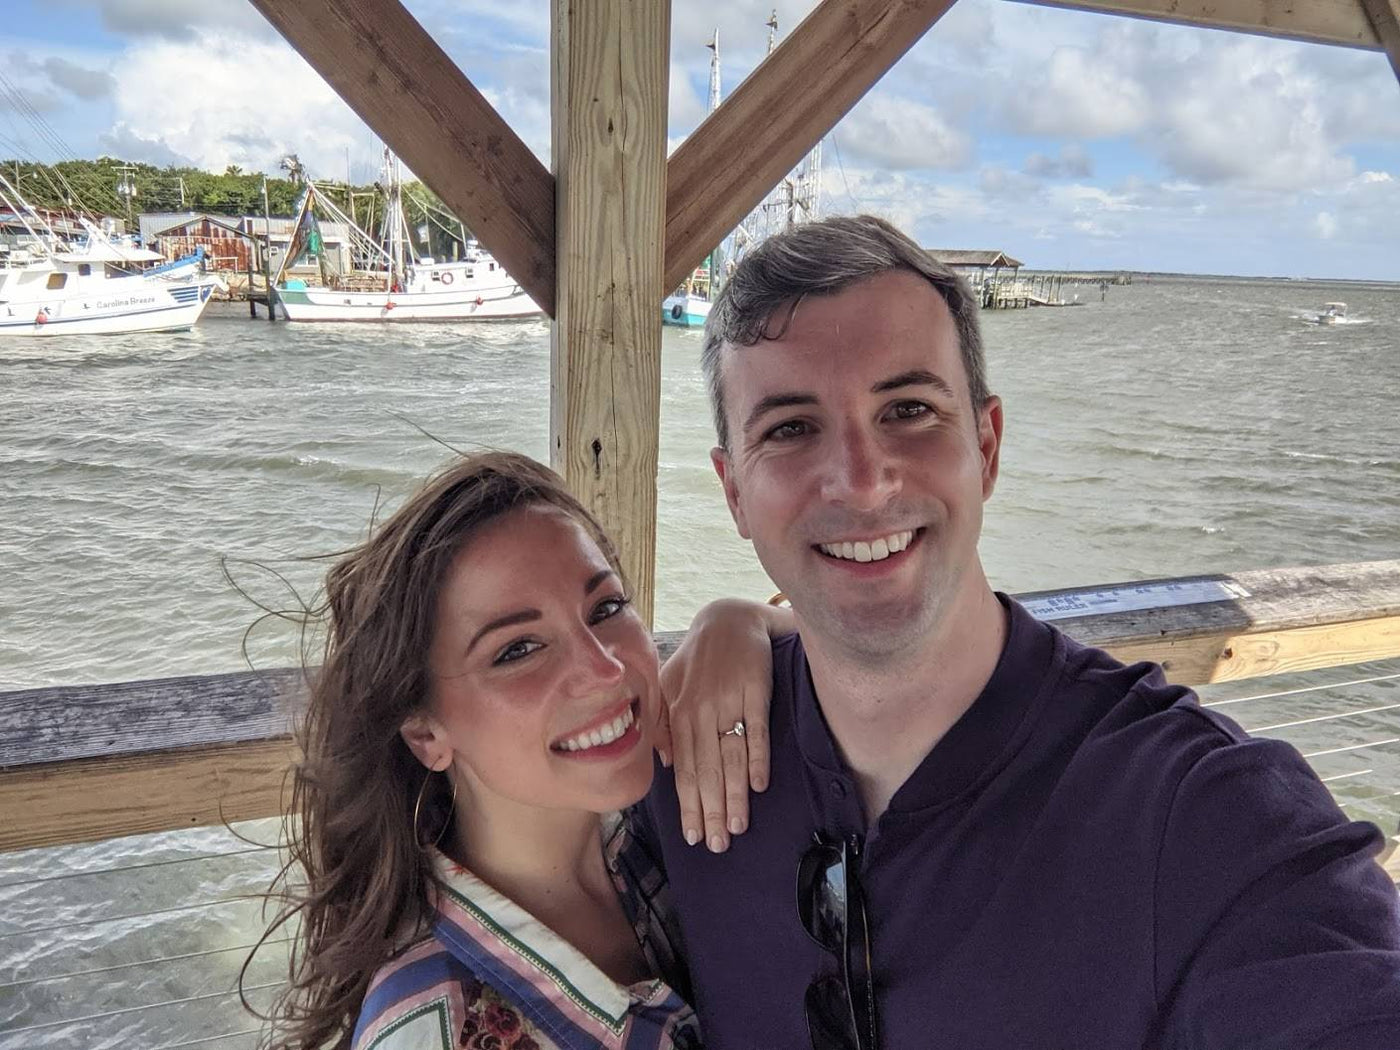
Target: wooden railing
point(81, 763)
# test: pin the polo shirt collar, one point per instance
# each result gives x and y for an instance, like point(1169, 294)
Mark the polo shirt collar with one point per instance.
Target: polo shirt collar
point(978, 744)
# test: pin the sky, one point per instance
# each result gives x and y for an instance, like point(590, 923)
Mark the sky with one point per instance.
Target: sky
point(1069, 140)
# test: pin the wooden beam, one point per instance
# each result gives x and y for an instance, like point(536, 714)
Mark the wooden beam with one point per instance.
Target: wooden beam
point(1385, 20)
point(609, 86)
point(402, 84)
point(798, 93)
point(103, 798)
point(1316, 21)
point(1223, 658)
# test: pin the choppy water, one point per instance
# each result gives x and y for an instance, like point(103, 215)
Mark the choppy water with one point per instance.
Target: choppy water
point(1175, 428)
point(1178, 427)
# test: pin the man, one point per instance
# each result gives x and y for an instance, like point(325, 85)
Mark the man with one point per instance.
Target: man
point(999, 838)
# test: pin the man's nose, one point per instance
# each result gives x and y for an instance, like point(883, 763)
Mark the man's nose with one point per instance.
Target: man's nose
point(860, 474)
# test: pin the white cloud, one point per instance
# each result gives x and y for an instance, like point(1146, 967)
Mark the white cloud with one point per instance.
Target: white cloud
point(997, 182)
point(1326, 225)
point(172, 19)
point(1077, 93)
point(294, 112)
point(79, 81)
point(1073, 162)
point(901, 134)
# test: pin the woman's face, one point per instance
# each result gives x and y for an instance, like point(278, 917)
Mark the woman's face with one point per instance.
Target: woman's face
point(544, 678)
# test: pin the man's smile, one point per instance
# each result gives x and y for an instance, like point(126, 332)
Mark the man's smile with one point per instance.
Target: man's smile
point(877, 549)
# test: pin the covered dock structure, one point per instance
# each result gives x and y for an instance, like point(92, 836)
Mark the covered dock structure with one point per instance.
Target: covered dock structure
point(596, 240)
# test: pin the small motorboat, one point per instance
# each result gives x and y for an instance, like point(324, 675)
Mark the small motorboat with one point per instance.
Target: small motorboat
point(1332, 313)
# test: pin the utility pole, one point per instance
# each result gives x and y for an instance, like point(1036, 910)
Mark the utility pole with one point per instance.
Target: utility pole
point(127, 188)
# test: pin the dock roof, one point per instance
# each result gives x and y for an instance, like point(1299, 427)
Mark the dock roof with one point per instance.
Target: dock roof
point(966, 257)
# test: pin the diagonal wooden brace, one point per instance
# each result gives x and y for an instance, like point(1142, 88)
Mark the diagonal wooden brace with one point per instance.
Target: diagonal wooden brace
point(403, 85)
point(799, 92)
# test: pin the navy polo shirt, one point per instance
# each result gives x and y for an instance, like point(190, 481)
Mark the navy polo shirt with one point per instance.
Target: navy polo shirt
point(1087, 859)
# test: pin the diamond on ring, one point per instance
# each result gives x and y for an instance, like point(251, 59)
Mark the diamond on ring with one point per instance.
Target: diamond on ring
point(736, 730)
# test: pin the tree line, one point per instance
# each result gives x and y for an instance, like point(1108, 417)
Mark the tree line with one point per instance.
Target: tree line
point(110, 186)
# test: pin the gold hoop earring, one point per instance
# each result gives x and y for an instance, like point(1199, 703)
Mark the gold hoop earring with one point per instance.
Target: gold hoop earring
point(418, 807)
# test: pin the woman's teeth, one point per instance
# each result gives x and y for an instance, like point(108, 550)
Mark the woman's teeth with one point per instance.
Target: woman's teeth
point(875, 550)
point(604, 734)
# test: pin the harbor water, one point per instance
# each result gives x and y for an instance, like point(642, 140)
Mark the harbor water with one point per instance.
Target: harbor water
point(1176, 427)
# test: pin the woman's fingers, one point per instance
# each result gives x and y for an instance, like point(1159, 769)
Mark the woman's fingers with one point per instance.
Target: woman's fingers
point(709, 777)
point(756, 704)
point(687, 787)
point(734, 754)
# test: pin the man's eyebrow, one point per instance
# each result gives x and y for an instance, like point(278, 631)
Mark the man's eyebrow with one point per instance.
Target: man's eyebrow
point(530, 615)
point(914, 377)
point(772, 401)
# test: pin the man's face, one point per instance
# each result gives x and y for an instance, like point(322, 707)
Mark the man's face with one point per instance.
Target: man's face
point(859, 465)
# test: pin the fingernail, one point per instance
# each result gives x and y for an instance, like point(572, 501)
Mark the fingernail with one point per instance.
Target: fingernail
point(760, 783)
point(691, 836)
point(716, 843)
point(665, 759)
point(736, 826)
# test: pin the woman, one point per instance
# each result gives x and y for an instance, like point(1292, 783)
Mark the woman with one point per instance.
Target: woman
point(488, 696)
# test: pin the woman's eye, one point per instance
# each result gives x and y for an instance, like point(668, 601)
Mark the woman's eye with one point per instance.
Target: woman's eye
point(608, 608)
point(791, 429)
point(517, 651)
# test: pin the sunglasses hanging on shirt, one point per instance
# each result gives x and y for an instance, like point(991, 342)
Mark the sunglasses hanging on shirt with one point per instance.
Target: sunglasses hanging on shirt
point(840, 1009)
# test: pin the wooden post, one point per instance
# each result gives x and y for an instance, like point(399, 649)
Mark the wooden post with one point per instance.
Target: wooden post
point(609, 85)
point(252, 303)
point(267, 253)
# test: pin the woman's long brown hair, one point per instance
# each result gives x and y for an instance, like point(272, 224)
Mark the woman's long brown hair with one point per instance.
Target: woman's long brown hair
point(355, 886)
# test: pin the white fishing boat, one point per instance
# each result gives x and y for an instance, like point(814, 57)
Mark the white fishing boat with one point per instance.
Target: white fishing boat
point(101, 286)
point(396, 285)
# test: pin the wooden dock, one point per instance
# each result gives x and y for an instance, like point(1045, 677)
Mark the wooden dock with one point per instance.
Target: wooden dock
point(1020, 290)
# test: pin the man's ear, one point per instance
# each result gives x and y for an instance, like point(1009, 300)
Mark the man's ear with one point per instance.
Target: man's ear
point(724, 467)
point(427, 740)
point(989, 424)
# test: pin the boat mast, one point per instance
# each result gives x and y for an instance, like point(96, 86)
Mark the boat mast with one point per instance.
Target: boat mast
point(713, 45)
point(21, 207)
point(713, 261)
point(393, 228)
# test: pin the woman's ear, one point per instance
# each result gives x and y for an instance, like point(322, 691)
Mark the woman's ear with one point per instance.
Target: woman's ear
point(426, 739)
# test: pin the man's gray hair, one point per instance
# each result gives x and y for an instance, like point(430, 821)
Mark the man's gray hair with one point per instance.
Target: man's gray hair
point(822, 258)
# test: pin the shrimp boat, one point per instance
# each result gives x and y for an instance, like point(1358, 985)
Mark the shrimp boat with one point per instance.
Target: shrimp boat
point(103, 285)
point(394, 285)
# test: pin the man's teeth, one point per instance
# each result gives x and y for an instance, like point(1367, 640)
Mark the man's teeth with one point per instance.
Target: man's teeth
point(604, 734)
point(875, 550)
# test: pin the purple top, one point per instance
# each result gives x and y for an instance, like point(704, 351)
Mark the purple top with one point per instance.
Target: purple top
point(1087, 859)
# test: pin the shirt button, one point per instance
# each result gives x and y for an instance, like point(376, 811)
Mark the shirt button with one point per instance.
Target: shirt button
point(838, 789)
